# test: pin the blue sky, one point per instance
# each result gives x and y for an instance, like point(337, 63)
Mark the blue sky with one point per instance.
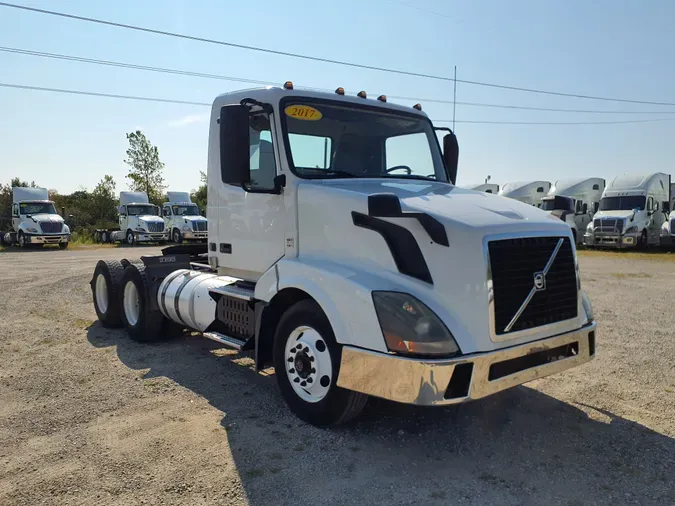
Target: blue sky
point(610, 48)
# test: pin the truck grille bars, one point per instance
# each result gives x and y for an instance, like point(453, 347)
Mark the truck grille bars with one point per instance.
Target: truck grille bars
point(533, 281)
point(51, 227)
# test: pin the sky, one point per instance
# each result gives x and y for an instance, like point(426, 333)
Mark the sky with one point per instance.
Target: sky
point(612, 48)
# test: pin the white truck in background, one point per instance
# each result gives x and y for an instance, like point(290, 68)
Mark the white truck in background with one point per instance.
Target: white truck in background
point(632, 211)
point(333, 221)
point(668, 228)
point(183, 219)
point(483, 187)
point(574, 201)
point(139, 222)
point(35, 221)
point(528, 192)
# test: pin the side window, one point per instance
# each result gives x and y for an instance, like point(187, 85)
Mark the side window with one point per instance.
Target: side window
point(409, 154)
point(15, 209)
point(263, 166)
point(488, 191)
point(166, 211)
point(540, 189)
point(650, 204)
point(596, 186)
point(310, 151)
point(579, 206)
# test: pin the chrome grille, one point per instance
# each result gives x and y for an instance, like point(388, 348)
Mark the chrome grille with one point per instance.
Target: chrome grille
point(50, 227)
point(608, 225)
point(514, 265)
point(199, 226)
point(155, 227)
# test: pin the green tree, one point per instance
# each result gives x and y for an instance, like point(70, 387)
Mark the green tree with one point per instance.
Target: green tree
point(145, 173)
point(199, 195)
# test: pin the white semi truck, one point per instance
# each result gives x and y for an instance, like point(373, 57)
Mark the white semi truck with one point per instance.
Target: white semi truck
point(528, 192)
point(35, 221)
point(483, 187)
point(632, 211)
point(340, 253)
point(574, 201)
point(139, 222)
point(183, 219)
point(668, 228)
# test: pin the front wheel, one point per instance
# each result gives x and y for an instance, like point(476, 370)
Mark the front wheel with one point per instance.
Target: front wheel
point(176, 236)
point(21, 239)
point(63, 245)
point(130, 238)
point(643, 242)
point(307, 363)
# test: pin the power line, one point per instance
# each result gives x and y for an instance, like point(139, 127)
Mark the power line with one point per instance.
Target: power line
point(323, 60)
point(111, 63)
point(206, 104)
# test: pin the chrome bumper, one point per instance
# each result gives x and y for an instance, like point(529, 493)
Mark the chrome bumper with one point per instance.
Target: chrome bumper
point(46, 239)
point(195, 235)
point(612, 240)
point(428, 382)
point(151, 236)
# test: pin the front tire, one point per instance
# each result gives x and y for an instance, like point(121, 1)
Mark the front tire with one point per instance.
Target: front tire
point(307, 363)
point(142, 323)
point(176, 236)
point(131, 239)
point(21, 239)
point(63, 245)
point(105, 286)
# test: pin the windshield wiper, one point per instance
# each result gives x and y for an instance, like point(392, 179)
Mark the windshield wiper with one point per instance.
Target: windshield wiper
point(411, 176)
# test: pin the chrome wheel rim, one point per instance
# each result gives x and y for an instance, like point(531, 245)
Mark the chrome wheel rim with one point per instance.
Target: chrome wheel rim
point(132, 303)
point(101, 293)
point(308, 364)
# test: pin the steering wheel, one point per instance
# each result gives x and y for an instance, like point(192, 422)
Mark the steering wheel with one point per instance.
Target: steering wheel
point(400, 167)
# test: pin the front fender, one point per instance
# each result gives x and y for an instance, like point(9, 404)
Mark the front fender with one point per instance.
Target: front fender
point(344, 292)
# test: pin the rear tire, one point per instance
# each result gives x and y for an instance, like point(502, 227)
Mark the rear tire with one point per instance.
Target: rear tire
point(105, 286)
point(142, 324)
point(307, 363)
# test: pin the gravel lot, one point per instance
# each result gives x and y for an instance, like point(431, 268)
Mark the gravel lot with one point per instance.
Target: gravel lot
point(89, 417)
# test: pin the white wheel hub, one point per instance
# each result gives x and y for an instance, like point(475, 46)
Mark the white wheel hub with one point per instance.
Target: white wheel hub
point(308, 364)
point(101, 293)
point(132, 303)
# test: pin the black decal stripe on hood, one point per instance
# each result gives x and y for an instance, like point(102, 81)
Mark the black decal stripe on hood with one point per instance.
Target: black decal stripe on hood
point(388, 205)
point(402, 244)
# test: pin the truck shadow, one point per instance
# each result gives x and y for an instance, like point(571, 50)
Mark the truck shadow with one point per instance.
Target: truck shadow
point(518, 447)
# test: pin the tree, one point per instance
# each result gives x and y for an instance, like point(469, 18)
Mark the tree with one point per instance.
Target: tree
point(199, 195)
point(145, 173)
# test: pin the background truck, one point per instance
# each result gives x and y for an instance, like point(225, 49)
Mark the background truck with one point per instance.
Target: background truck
point(35, 221)
point(632, 211)
point(340, 253)
point(528, 192)
point(183, 219)
point(139, 222)
point(668, 228)
point(483, 187)
point(574, 201)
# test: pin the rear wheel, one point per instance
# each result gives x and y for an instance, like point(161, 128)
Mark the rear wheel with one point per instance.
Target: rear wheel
point(105, 286)
point(104, 237)
point(142, 323)
point(307, 363)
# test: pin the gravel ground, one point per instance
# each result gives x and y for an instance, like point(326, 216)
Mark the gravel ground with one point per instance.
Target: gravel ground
point(89, 417)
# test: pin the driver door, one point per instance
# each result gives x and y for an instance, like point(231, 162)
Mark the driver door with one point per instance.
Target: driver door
point(124, 219)
point(16, 219)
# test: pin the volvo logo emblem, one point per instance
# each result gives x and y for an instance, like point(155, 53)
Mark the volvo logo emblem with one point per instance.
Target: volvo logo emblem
point(539, 281)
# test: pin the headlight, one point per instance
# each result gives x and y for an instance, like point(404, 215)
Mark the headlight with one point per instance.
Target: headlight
point(139, 229)
point(411, 328)
point(588, 308)
point(186, 228)
point(66, 229)
point(631, 230)
point(32, 230)
point(589, 228)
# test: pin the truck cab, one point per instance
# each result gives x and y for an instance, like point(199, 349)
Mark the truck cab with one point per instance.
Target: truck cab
point(632, 211)
point(528, 192)
point(571, 211)
point(139, 220)
point(183, 219)
point(341, 253)
point(35, 221)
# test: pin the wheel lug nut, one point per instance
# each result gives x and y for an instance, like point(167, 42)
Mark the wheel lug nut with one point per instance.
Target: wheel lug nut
point(303, 384)
point(296, 380)
point(292, 371)
point(313, 371)
point(309, 380)
point(290, 359)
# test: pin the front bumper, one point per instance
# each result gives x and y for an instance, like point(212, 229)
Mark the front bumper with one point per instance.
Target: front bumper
point(434, 382)
point(612, 240)
point(195, 235)
point(150, 236)
point(46, 239)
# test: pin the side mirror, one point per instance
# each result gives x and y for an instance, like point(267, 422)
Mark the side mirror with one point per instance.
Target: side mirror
point(451, 155)
point(656, 206)
point(665, 206)
point(235, 158)
point(584, 209)
point(596, 206)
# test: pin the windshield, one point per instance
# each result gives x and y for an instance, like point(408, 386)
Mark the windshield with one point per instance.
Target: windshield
point(37, 208)
point(627, 203)
point(556, 204)
point(330, 139)
point(138, 210)
point(185, 210)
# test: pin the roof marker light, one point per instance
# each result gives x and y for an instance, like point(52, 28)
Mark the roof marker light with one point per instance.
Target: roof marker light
point(362, 94)
point(382, 98)
point(340, 91)
point(288, 85)
point(418, 107)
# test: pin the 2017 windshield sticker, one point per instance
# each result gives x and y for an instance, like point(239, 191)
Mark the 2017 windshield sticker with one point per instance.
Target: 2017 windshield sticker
point(303, 112)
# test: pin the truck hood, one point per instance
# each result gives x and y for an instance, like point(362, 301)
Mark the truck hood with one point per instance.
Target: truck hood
point(613, 214)
point(195, 218)
point(459, 293)
point(150, 218)
point(47, 218)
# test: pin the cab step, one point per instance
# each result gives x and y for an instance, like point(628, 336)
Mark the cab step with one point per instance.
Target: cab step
point(243, 291)
point(230, 342)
